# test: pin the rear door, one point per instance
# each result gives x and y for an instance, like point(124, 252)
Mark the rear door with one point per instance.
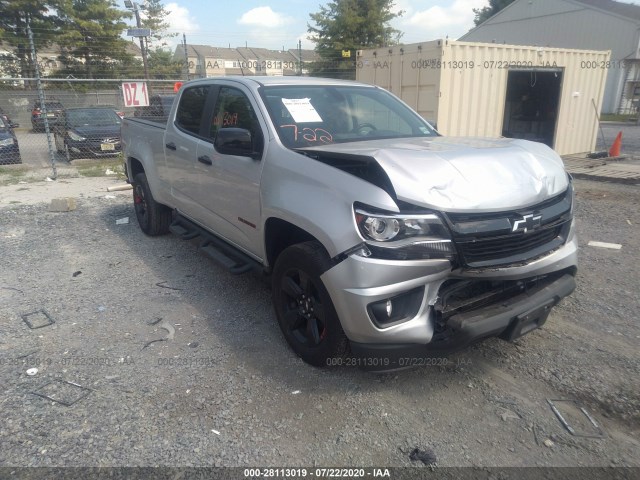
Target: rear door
point(184, 133)
point(229, 186)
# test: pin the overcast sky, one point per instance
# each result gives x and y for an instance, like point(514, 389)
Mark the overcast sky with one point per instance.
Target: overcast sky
point(281, 23)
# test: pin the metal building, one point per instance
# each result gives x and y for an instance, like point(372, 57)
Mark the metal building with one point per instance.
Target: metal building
point(484, 89)
point(588, 24)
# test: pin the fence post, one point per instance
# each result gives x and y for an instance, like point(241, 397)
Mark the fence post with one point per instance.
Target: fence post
point(43, 105)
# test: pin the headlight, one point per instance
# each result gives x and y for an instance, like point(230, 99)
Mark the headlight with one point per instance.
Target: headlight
point(404, 237)
point(75, 137)
point(7, 142)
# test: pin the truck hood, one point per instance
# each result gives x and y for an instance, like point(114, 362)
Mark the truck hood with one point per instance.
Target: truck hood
point(463, 174)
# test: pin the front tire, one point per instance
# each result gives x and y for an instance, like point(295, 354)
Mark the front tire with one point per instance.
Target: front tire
point(304, 309)
point(154, 218)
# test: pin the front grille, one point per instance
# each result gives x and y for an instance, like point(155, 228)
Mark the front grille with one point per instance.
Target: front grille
point(522, 245)
point(487, 239)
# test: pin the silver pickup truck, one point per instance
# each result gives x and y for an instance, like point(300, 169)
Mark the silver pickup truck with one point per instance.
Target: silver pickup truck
point(385, 241)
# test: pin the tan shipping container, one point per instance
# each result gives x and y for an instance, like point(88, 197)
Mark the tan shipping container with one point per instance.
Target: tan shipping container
point(543, 94)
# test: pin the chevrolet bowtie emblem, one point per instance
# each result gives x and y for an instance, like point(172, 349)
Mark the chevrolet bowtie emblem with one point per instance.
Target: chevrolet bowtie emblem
point(527, 223)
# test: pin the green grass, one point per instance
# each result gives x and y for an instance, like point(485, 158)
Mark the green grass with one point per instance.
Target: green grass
point(617, 117)
point(98, 168)
point(11, 176)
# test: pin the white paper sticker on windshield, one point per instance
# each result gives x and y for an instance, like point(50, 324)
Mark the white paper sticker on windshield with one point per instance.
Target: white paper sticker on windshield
point(301, 110)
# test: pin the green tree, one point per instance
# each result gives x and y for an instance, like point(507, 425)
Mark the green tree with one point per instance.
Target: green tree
point(155, 18)
point(45, 25)
point(349, 25)
point(91, 43)
point(494, 7)
point(163, 66)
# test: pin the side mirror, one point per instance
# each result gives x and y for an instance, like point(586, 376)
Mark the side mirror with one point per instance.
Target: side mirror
point(236, 141)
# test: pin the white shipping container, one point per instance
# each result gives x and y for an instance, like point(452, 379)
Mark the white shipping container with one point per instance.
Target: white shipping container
point(544, 94)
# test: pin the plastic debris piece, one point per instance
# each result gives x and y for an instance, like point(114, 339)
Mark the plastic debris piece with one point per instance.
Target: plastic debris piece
point(295, 392)
point(548, 443)
point(613, 246)
point(101, 308)
point(75, 274)
point(48, 179)
point(32, 371)
point(110, 196)
point(169, 328)
point(122, 221)
point(108, 171)
point(428, 456)
point(216, 432)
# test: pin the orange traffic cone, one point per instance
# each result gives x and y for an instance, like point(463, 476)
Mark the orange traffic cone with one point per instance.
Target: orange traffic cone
point(614, 151)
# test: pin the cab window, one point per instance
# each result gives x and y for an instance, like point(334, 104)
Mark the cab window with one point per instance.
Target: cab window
point(190, 109)
point(233, 110)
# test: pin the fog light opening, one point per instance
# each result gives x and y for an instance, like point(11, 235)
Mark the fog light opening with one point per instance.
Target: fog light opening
point(398, 309)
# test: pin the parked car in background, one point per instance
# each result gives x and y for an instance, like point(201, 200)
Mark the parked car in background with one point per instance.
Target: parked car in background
point(54, 111)
point(7, 121)
point(158, 109)
point(88, 132)
point(119, 111)
point(9, 150)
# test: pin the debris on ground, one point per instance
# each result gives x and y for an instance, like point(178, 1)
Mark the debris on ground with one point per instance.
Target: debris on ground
point(62, 204)
point(428, 456)
point(32, 371)
point(548, 443)
point(75, 274)
point(37, 319)
point(613, 246)
point(153, 341)
point(586, 425)
point(122, 221)
point(160, 284)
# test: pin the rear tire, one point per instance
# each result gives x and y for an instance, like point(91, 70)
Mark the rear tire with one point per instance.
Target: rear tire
point(154, 218)
point(304, 309)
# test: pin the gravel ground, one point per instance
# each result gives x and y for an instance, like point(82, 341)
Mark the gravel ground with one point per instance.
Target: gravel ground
point(172, 361)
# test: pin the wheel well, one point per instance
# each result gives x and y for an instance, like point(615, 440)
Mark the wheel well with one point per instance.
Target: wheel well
point(280, 234)
point(136, 168)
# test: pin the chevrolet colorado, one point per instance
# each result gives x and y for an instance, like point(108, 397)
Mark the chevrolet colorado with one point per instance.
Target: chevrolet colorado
point(382, 237)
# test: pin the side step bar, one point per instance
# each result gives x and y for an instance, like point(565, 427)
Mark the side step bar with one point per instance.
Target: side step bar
point(218, 250)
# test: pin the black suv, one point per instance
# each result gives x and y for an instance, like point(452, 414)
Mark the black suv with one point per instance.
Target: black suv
point(55, 110)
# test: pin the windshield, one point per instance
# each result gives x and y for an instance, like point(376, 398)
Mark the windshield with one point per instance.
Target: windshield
point(92, 117)
point(317, 115)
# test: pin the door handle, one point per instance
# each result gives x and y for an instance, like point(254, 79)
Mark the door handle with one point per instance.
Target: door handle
point(171, 146)
point(205, 159)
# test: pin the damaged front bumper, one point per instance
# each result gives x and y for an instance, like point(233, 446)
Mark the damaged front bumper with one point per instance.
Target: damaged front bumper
point(423, 314)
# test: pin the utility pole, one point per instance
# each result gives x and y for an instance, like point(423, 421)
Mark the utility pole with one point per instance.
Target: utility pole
point(136, 10)
point(186, 55)
point(300, 56)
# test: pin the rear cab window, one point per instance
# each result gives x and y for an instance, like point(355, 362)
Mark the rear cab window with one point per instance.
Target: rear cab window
point(191, 109)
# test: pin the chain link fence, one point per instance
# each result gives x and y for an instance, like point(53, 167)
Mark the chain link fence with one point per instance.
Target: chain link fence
point(24, 118)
